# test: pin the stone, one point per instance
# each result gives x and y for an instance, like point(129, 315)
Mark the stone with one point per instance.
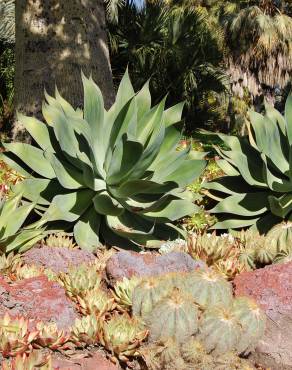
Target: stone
point(58, 259)
point(95, 361)
point(38, 299)
point(271, 287)
point(127, 264)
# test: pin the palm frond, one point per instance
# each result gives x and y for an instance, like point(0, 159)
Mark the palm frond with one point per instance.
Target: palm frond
point(7, 21)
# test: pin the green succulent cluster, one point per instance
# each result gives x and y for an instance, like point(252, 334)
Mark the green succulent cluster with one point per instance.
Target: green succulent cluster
point(199, 304)
point(110, 176)
point(257, 188)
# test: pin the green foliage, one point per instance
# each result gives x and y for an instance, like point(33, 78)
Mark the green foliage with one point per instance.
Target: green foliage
point(14, 237)
point(84, 174)
point(256, 190)
point(7, 21)
point(179, 48)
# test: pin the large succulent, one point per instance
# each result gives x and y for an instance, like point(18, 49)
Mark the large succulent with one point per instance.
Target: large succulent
point(112, 176)
point(257, 188)
point(12, 235)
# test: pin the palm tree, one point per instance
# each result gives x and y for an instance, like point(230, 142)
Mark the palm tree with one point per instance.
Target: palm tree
point(174, 47)
point(260, 40)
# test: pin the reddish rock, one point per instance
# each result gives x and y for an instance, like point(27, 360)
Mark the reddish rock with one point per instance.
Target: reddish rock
point(96, 362)
point(271, 287)
point(58, 259)
point(127, 264)
point(39, 299)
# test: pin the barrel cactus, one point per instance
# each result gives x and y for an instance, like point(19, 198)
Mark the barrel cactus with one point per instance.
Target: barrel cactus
point(257, 188)
point(252, 321)
point(174, 316)
point(208, 288)
point(219, 330)
point(148, 293)
point(111, 177)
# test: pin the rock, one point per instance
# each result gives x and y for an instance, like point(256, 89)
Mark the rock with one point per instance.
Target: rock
point(96, 361)
point(39, 299)
point(127, 264)
point(58, 259)
point(271, 287)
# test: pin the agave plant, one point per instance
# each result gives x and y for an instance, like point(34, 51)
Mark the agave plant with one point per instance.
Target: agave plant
point(12, 235)
point(112, 176)
point(257, 188)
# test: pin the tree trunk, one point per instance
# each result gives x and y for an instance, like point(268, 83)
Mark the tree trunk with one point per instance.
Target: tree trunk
point(55, 40)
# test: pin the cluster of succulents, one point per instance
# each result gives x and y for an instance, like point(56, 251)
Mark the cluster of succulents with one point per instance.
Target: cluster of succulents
point(193, 319)
point(59, 240)
point(33, 360)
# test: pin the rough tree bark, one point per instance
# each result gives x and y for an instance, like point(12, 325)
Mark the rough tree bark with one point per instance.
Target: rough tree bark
point(55, 40)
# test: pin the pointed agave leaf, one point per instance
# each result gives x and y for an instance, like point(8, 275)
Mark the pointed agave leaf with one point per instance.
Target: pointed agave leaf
point(94, 115)
point(288, 118)
point(14, 220)
point(187, 172)
point(235, 223)
point(86, 230)
point(248, 205)
point(69, 207)
point(68, 176)
point(32, 157)
point(173, 114)
point(133, 187)
point(38, 130)
point(176, 209)
point(143, 100)
point(281, 206)
point(125, 156)
point(104, 204)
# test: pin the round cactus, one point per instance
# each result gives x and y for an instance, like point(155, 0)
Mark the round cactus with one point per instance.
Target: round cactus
point(279, 237)
point(193, 351)
point(209, 288)
point(252, 321)
point(219, 330)
point(148, 293)
point(174, 316)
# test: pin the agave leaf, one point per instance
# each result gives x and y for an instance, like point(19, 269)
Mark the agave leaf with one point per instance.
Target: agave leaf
point(106, 205)
point(14, 220)
point(68, 176)
point(37, 190)
point(133, 187)
point(229, 185)
point(21, 241)
point(143, 99)
point(268, 140)
point(250, 204)
point(281, 206)
point(190, 169)
point(38, 130)
point(174, 210)
point(126, 155)
point(235, 223)
point(173, 114)
point(227, 168)
point(69, 207)
point(94, 115)
point(86, 230)
point(288, 118)
point(151, 122)
point(126, 117)
point(32, 157)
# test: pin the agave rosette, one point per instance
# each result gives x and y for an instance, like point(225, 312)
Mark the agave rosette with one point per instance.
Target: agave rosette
point(122, 335)
point(15, 336)
point(257, 188)
point(110, 176)
point(50, 336)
